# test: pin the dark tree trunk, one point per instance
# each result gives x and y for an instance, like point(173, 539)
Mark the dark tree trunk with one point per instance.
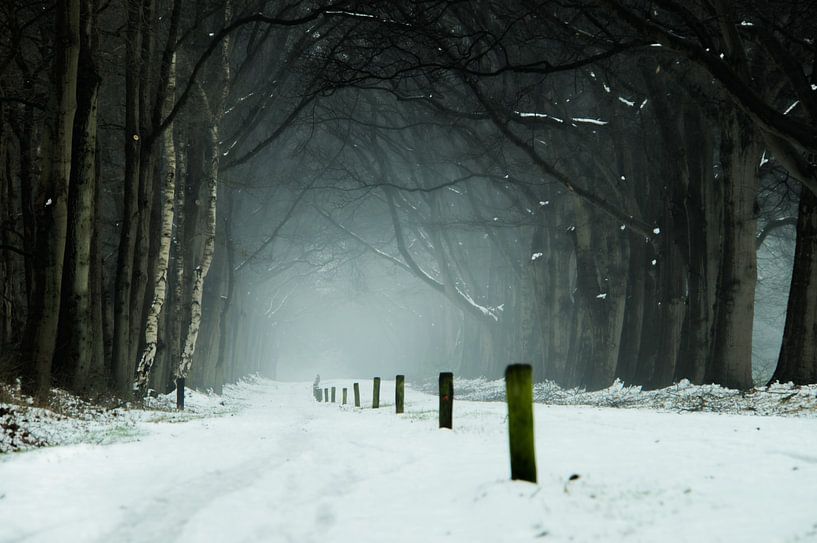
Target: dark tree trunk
point(731, 356)
point(52, 206)
point(798, 352)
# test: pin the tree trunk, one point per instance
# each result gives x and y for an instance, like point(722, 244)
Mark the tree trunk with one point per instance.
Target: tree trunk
point(671, 285)
point(123, 366)
point(160, 271)
point(145, 251)
point(703, 206)
point(80, 305)
point(601, 284)
point(229, 248)
point(798, 352)
point(52, 207)
point(215, 110)
point(200, 272)
point(731, 358)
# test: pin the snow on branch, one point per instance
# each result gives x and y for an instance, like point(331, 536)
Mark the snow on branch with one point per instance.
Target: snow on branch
point(588, 121)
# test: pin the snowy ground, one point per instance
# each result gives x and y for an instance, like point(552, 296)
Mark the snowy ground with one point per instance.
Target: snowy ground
point(278, 467)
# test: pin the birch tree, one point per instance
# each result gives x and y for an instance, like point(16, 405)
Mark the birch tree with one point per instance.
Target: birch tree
point(160, 280)
point(215, 113)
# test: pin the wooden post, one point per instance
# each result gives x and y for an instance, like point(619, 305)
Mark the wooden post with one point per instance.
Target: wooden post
point(344, 396)
point(180, 393)
point(333, 394)
point(519, 391)
point(399, 393)
point(356, 388)
point(326, 394)
point(446, 399)
point(376, 393)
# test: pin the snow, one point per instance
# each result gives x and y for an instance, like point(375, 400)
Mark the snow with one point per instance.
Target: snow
point(626, 102)
point(791, 107)
point(536, 256)
point(602, 296)
point(350, 13)
point(524, 115)
point(481, 308)
point(589, 121)
point(284, 468)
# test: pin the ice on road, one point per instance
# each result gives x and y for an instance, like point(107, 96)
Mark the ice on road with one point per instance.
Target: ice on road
point(286, 469)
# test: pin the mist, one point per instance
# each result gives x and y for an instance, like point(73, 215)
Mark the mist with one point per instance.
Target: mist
point(408, 270)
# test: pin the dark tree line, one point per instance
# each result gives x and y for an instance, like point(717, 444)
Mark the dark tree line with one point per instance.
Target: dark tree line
point(582, 184)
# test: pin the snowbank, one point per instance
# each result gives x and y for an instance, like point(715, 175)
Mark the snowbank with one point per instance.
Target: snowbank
point(777, 399)
point(69, 419)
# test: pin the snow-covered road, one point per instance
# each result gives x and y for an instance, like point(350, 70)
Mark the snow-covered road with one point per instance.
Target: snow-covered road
point(286, 469)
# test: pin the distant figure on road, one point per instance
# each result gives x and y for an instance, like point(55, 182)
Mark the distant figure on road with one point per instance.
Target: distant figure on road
point(316, 388)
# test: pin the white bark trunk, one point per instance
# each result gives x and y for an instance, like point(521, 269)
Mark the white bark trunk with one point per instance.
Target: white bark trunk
point(160, 273)
point(200, 273)
point(216, 111)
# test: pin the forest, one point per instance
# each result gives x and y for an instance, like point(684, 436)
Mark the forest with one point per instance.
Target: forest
point(197, 190)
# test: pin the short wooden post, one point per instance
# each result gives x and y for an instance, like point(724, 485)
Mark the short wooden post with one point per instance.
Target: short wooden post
point(180, 393)
point(344, 396)
point(376, 393)
point(446, 399)
point(356, 388)
point(399, 393)
point(519, 391)
point(326, 394)
point(333, 394)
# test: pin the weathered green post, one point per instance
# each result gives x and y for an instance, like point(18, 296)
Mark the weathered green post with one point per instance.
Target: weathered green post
point(344, 396)
point(399, 393)
point(326, 394)
point(446, 399)
point(356, 388)
point(333, 394)
point(519, 392)
point(376, 393)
